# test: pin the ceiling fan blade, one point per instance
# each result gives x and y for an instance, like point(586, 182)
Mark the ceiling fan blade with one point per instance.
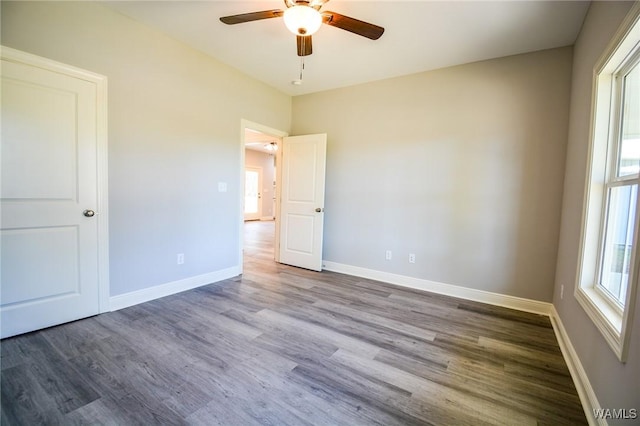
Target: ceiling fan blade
point(252, 16)
point(304, 45)
point(353, 25)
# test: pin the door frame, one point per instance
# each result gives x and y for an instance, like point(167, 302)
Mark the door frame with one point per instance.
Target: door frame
point(247, 124)
point(102, 210)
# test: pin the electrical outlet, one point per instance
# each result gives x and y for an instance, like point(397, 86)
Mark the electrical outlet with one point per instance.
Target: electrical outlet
point(180, 258)
point(412, 258)
point(387, 255)
point(561, 291)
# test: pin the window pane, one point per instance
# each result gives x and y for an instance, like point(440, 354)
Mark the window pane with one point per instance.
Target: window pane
point(630, 131)
point(251, 192)
point(616, 257)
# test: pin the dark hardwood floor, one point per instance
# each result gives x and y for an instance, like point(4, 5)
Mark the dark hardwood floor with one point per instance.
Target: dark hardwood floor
point(282, 345)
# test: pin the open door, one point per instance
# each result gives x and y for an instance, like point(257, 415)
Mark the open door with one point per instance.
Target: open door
point(302, 200)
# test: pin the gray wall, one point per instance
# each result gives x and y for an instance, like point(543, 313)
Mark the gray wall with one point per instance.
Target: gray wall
point(462, 166)
point(174, 133)
point(616, 385)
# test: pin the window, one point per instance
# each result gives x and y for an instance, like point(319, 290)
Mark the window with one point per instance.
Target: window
point(622, 189)
point(609, 261)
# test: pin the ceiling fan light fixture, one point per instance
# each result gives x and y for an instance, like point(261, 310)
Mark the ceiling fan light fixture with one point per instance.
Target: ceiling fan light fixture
point(302, 20)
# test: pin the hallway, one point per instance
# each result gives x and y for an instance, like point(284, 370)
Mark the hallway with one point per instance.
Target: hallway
point(259, 237)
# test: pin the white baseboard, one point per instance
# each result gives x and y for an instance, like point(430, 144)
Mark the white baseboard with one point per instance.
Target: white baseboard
point(521, 304)
point(122, 301)
point(580, 379)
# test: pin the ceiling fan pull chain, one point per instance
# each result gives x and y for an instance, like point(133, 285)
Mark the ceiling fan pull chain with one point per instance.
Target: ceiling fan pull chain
point(298, 82)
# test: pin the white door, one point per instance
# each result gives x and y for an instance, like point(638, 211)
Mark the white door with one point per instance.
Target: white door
point(252, 194)
point(302, 200)
point(51, 127)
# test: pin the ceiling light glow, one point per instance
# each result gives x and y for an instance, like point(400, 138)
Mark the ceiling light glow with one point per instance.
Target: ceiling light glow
point(302, 20)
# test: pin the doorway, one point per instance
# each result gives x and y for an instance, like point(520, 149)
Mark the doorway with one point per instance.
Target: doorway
point(298, 192)
point(260, 156)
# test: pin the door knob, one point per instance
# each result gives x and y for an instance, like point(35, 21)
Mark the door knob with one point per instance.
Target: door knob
point(318, 210)
point(89, 213)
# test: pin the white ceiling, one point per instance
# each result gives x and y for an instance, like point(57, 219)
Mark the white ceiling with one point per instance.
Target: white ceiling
point(419, 36)
point(258, 141)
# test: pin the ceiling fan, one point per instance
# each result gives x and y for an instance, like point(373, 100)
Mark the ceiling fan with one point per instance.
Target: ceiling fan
point(263, 146)
point(303, 18)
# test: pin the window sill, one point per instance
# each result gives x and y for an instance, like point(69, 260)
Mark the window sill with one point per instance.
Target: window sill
point(604, 316)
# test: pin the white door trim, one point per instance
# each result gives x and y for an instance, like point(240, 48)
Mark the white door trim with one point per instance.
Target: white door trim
point(102, 212)
point(247, 124)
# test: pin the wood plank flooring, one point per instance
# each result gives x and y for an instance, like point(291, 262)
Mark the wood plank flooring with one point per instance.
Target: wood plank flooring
point(286, 346)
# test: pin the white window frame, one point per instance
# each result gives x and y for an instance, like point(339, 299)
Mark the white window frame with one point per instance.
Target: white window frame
point(610, 318)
